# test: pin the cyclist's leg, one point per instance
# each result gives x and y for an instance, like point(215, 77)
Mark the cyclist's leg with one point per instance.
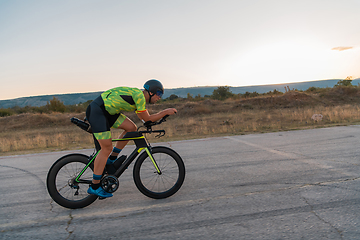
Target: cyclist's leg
point(99, 165)
point(99, 122)
point(101, 158)
point(100, 126)
point(127, 125)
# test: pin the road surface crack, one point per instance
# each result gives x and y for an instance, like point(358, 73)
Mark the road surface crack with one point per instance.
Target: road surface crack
point(51, 205)
point(68, 226)
point(321, 219)
point(331, 182)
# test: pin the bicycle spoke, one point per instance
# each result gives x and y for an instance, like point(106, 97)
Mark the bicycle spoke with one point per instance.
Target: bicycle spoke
point(168, 177)
point(64, 178)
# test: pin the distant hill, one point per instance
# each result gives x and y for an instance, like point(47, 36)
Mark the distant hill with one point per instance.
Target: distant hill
point(182, 92)
point(36, 101)
point(76, 98)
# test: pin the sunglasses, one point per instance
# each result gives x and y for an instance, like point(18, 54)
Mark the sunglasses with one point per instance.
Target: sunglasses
point(159, 93)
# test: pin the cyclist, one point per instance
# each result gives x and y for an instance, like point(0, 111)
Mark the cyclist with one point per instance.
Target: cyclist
point(105, 112)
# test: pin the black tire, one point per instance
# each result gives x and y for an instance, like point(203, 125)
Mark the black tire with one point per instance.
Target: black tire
point(155, 185)
point(60, 176)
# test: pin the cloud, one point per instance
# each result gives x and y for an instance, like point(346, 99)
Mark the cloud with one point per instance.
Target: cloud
point(341, 48)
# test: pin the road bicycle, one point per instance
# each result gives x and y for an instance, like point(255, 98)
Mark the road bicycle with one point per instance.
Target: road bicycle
point(158, 172)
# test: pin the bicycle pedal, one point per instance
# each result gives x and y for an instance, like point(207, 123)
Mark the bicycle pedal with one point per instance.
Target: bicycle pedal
point(102, 198)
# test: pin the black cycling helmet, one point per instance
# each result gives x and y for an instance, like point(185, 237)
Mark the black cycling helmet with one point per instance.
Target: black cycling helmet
point(155, 87)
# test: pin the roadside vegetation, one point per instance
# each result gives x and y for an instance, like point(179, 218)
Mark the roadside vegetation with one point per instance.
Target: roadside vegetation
point(48, 128)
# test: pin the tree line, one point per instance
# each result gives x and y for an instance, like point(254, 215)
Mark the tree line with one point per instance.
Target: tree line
point(221, 93)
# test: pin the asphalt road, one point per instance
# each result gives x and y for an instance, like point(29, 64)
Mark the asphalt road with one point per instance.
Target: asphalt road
point(284, 185)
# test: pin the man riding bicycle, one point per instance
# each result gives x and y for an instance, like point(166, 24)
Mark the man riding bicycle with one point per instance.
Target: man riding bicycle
point(105, 112)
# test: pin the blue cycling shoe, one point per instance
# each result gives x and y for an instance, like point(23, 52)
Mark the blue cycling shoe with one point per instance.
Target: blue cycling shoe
point(99, 192)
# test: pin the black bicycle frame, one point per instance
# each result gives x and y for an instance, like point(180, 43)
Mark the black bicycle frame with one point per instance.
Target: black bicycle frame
point(140, 143)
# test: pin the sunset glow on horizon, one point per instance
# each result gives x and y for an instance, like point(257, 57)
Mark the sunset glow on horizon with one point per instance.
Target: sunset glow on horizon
point(87, 46)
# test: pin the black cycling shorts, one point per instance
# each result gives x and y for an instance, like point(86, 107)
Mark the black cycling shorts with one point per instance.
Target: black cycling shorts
point(100, 120)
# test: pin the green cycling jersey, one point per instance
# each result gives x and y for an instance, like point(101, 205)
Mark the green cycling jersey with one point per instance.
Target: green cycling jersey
point(124, 99)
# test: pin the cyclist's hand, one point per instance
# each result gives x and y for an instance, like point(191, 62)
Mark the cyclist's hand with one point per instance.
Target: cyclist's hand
point(170, 111)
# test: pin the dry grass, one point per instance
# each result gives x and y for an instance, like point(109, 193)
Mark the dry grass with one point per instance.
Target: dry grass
point(44, 132)
point(250, 121)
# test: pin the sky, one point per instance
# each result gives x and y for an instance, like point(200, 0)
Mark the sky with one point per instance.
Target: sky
point(67, 46)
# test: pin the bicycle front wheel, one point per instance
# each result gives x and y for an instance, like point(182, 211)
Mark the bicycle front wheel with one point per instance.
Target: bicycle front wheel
point(163, 185)
point(60, 182)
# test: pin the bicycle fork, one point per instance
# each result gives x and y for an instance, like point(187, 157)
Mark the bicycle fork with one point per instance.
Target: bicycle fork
point(148, 151)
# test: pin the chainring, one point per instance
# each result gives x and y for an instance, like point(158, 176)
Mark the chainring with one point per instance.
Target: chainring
point(110, 183)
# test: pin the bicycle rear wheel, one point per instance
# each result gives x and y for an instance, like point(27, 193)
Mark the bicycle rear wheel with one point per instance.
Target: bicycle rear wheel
point(60, 181)
point(155, 185)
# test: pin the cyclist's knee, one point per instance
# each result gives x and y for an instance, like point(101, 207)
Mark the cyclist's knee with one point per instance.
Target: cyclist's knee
point(128, 125)
point(132, 128)
point(106, 145)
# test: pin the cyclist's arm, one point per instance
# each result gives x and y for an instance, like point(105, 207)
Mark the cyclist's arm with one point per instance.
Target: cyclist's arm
point(157, 116)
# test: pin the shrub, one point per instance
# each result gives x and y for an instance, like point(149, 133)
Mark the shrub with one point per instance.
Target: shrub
point(56, 105)
point(222, 93)
point(346, 82)
point(312, 89)
point(6, 112)
point(173, 97)
point(250, 95)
